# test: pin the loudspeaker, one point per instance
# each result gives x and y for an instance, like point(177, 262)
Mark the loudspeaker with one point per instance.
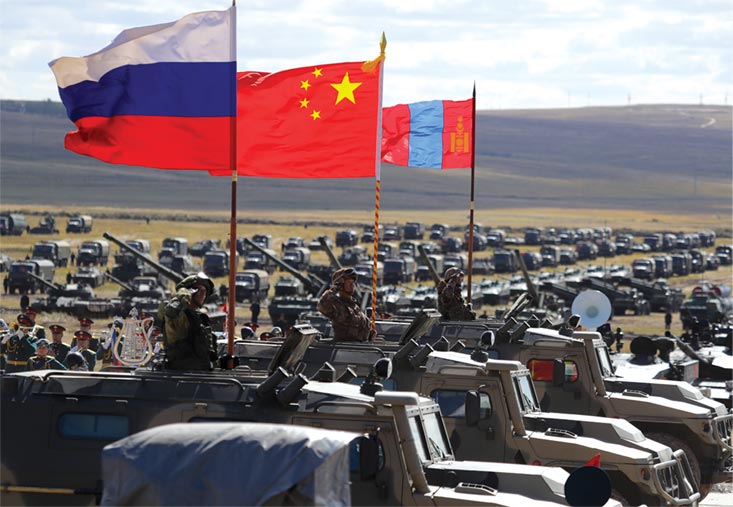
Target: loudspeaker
point(593, 307)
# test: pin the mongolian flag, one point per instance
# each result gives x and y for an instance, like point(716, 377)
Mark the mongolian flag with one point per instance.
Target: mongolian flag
point(159, 96)
point(436, 133)
point(320, 121)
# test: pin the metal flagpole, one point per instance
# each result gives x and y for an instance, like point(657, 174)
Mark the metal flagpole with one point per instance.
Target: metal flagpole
point(378, 183)
point(231, 302)
point(470, 213)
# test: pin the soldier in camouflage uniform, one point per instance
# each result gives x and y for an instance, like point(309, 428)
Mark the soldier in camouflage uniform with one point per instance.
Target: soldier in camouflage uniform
point(190, 343)
point(339, 304)
point(451, 304)
point(42, 361)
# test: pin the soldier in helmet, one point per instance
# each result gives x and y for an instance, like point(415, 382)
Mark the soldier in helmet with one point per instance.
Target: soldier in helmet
point(339, 304)
point(190, 343)
point(42, 361)
point(451, 304)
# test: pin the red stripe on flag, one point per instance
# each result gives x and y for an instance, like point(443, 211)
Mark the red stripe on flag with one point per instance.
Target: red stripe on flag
point(396, 134)
point(154, 141)
point(457, 134)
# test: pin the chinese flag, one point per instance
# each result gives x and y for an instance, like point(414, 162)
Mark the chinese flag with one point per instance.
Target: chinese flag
point(313, 122)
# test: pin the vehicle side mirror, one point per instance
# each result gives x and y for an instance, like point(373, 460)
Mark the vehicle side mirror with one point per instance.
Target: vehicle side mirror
point(558, 372)
point(368, 456)
point(473, 408)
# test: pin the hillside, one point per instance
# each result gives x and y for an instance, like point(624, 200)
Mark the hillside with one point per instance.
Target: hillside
point(661, 157)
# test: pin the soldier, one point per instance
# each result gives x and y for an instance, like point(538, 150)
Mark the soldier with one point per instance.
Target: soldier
point(190, 343)
point(40, 330)
point(42, 361)
point(82, 347)
point(20, 344)
point(619, 337)
point(58, 348)
point(451, 304)
point(105, 352)
point(342, 308)
point(668, 320)
point(255, 309)
point(85, 324)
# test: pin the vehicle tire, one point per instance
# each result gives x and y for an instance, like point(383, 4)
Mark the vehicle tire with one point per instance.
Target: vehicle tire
point(675, 443)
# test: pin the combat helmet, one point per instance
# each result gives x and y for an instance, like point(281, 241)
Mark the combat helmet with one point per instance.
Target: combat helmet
point(191, 281)
point(75, 361)
point(452, 272)
point(338, 277)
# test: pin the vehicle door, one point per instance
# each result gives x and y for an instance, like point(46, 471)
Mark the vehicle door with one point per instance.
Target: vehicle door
point(569, 397)
point(485, 441)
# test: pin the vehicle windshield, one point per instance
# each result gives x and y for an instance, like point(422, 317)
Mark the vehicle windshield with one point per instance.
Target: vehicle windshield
point(526, 394)
point(21, 268)
point(246, 279)
point(42, 250)
point(418, 435)
point(435, 433)
point(604, 360)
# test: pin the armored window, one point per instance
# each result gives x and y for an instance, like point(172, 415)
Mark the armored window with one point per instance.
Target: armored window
point(526, 393)
point(541, 370)
point(94, 426)
point(436, 436)
point(418, 436)
point(453, 403)
point(604, 359)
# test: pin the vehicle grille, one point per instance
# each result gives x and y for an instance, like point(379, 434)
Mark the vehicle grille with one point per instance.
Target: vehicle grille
point(723, 430)
point(674, 480)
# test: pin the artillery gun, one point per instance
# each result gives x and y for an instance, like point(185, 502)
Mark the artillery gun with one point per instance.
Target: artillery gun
point(75, 299)
point(621, 300)
point(661, 296)
point(47, 225)
point(289, 308)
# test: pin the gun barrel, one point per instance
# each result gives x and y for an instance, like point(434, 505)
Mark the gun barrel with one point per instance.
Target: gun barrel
point(527, 279)
point(312, 283)
point(334, 261)
point(167, 272)
point(424, 256)
point(45, 282)
point(119, 282)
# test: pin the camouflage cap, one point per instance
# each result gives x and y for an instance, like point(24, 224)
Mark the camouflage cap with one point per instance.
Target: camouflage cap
point(451, 272)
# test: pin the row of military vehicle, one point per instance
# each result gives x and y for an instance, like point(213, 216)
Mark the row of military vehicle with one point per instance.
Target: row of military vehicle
point(494, 408)
point(15, 224)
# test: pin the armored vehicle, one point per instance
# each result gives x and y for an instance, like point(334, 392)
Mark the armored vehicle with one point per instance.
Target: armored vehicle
point(47, 225)
point(587, 250)
point(200, 248)
point(405, 456)
point(88, 275)
point(643, 268)
point(353, 255)
point(79, 223)
point(661, 296)
point(12, 224)
point(56, 251)
point(128, 266)
point(315, 244)
point(575, 374)
point(18, 279)
point(707, 303)
point(725, 254)
point(63, 298)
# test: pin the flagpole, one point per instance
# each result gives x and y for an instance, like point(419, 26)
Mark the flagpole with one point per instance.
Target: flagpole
point(231, 303)
point(378, 184)
point(470, 213)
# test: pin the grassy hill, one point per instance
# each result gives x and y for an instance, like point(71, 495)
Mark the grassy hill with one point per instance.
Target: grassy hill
point(667, 158)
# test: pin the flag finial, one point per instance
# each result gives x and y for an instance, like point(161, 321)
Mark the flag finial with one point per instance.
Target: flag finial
point(371, 65)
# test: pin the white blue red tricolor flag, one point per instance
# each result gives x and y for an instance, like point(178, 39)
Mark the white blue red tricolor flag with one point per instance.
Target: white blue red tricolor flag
point(435, 133)
point(159, 96)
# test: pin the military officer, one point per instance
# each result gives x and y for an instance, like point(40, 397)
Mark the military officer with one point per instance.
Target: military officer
point(58, 348)
point(339, 304)
point(190, 343)
point(451, 304)
point(85, 324)
point(42, 361)
point(82, 347)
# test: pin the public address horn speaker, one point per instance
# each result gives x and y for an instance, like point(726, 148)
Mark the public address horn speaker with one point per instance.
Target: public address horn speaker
point(593, 307)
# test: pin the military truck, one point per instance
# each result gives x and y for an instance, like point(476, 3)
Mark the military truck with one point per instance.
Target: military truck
point(404, 458)
point(399, 269)
point(18, 279)
point(347, 238)
point(56, 251)
point(92, 253)
point(251, 284)
point(200, 248)
point(575, 374)
point(88, 275)
point(491, 411)
point(258, 260)
point(12, 224)
point(79, 224)
point(414, 230)
point(643, 268)
point(216, 263)
point(298, 257)
point(173, 246)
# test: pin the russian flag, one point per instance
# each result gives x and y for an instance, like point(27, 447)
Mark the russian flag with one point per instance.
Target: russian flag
point(160, 96)
point(435, 133)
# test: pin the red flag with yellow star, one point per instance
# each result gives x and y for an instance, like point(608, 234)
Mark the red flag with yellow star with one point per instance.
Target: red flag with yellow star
point(314, 122)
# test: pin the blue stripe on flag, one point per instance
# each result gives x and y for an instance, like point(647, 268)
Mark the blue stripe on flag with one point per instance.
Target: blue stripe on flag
point(199, 89)
point(426, 134)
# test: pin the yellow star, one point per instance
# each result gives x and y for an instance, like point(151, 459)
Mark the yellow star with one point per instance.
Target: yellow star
point(305, 84)
point(316, 115)
point(346, 89)
point(304, 103)
point(317, 72)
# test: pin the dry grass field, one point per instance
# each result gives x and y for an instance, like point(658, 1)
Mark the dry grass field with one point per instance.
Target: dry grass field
point(309, 224)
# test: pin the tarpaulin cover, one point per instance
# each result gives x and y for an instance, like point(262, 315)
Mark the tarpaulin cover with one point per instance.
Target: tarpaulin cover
point(227, 464)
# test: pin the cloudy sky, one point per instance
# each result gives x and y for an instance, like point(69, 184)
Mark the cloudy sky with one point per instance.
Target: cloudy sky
point(520, 53)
